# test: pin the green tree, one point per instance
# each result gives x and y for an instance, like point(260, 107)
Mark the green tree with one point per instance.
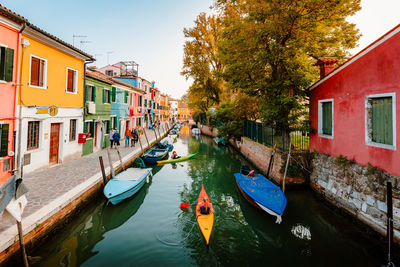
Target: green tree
point(269, 47)
point(201, 64)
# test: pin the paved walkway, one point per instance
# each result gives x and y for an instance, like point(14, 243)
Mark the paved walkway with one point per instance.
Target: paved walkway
point(54, 184)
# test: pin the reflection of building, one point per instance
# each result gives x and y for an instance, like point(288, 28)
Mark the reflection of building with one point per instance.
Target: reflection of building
point(173, 108)
point(51, 99)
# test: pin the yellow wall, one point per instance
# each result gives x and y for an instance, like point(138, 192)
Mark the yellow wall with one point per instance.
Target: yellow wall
point(57, 63)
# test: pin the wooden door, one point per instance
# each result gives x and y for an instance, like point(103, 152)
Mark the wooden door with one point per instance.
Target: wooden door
point(54, 142)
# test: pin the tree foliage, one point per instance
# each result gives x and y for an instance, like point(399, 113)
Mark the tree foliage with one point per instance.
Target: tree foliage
point(269, 47)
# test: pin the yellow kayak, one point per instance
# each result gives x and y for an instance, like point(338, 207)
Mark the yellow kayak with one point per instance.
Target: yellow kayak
point(205, 222)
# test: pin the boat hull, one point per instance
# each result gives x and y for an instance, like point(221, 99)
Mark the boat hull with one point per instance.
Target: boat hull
point(151, 157)
point(176, 160)
point(205, 222)
point(117, 199)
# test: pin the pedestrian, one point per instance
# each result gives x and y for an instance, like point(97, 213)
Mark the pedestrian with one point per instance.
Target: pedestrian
point(127, 137)
point(133, 137)
point(116, 137)
point(111, 137)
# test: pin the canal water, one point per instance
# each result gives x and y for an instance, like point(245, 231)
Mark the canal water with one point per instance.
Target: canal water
point(150, 229)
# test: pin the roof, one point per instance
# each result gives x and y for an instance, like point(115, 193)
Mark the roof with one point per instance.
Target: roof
point(360, 54)
point(16, 17)
point(98, 76)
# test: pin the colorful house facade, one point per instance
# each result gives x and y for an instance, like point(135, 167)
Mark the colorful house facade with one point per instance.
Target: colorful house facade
point(97, 122)
point(184, 112)
point(50, 101)
point(120, 106)
point(10, 25)
point(355, 107)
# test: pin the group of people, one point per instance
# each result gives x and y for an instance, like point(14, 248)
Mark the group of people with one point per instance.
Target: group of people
point(131, 137)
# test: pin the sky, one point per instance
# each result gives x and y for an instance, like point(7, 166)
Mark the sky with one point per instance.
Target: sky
point(150, 32)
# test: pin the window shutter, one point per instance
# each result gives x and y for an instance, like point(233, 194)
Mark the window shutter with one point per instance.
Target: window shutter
point(382, 120)
point(113, 93)
point(104, 95)
point(86, 92)
point(108, 126)
point(92, 128)
point(35, 71)
point(84, 127)
point(94, 93)
point(109, 97)
point(4, 140)
point(9, 64)
point(327, 118)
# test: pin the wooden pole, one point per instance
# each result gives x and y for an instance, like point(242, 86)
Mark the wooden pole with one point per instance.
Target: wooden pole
point(140, 143)
point(119, 156)
point(389, 202)
point(271, 160)
point(103, 172)
point(155, 133)
point(22, 244)
point(145, 135)
point(287, 165)
point(110, 162)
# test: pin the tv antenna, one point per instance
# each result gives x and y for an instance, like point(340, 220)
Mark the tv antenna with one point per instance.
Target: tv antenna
point(77, 36)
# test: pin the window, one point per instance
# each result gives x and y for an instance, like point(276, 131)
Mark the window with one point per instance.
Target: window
point(72, 80)
point(113, 94)
point(90, 93)
point(88, 128)
point(38, 72)
point(4, 140)
point(107, 126)
point(106, 96)
point(381, 118)
point(131, 99)
point(325, 118)
point(33, 135)
point(113, 122)
point(72, 130)
point(6, 63)
point(145, 102)
point(125, 97)
point(109, 72)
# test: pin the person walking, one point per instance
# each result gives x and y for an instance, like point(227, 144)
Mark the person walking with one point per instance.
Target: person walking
point(127, 137)
point(133, 137)
point(116, 137)
point(111, 137)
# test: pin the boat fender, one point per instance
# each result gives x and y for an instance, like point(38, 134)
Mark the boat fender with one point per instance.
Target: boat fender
point(147, 178)
point(251, 173)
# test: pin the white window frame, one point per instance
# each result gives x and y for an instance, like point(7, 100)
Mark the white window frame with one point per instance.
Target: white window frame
point(368, 140)
point(88, 84)
point(75, 82)
point(320, 134)
point(109, 93)
point(112, 126)
point(44, 72)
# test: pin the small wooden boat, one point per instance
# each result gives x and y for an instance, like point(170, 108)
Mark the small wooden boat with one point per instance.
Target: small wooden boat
point(126, 184)
point(219, 141)
point(176, 160)
point(205, 222)
point(154, 154)
point(262, 193)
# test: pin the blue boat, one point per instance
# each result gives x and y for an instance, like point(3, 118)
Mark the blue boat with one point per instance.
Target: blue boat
point(154, 154)
point(165, 144)
point(262, 193)
point(126, 184)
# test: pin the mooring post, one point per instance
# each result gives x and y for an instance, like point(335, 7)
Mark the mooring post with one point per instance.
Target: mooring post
point(389, 203)
point(145, 135)
point(22, 243)
point(155, 133)
point(159, 131)
point(110, 162)
point(119, 156)
point(140, 143)
point(287, 165)
point(103, 172)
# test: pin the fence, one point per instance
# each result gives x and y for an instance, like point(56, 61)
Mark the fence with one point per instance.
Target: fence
point(270, 136)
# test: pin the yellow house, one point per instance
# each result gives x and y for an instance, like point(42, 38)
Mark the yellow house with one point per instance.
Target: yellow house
point(50, 99)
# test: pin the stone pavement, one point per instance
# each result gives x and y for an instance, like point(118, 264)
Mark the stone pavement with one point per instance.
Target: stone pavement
point(47, 185)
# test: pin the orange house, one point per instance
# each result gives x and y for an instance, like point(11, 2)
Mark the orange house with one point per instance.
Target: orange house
point(10, 25)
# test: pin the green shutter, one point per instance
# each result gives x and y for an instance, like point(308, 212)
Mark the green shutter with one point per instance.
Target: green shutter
point(113, 94)
point(86, 92)
point(327, 118)
point(84, 127)
point(92, 128)
point(9, 64)
point(3, 140)
point(125, 97)
point(104, 95)
point(109, 97)
point(115, 123)
point(382, 120)
point(94, 93)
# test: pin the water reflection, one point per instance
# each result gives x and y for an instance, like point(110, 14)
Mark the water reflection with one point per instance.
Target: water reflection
point(301, 231)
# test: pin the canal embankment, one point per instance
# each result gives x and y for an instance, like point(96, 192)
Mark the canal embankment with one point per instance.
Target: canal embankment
point(57, 193)
point(357, 190)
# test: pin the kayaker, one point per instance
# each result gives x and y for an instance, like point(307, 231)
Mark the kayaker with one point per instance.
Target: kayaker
point(205, 207)
point(175, 155)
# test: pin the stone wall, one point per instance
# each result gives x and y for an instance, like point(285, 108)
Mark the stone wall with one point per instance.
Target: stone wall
point(360, 190)
point(260, 155)
point(213, 132)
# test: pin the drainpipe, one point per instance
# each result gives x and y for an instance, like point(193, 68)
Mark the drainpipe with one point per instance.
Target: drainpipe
point(20, 167)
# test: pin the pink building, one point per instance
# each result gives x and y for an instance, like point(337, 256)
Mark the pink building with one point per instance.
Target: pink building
point(10, 25)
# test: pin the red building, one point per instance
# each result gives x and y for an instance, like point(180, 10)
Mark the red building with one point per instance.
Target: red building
point(353, 107)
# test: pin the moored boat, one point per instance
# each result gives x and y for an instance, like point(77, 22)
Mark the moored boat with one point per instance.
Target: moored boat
point(176, 160)
point(126, 184)
point(262, 193)
point(165, 144)
point(154, 154)
point(205, 221)
point(219, 141)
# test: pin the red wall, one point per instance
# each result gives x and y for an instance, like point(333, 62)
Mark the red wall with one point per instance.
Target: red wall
point(376, 72)
point(10, 38)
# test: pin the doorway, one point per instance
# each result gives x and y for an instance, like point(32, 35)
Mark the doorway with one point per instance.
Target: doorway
point(54, 142)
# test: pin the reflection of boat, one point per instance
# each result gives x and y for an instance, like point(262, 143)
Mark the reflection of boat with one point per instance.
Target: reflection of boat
point(196, 131)
point(219, 141)
point(165, 144)
point(261, 192)
point(126, 184)
point(154, 154)
point(176, 160)
point(205, 221)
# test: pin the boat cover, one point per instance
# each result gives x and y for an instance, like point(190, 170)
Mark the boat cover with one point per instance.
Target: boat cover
point(132, 174)
point(263, 191)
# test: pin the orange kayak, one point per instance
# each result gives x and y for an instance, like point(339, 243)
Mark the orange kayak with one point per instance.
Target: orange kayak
point(205, 222)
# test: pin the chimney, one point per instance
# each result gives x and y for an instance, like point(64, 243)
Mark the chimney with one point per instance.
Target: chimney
point(326, 65)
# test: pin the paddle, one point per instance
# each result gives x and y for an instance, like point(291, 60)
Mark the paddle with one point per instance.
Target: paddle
point(186, 205)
